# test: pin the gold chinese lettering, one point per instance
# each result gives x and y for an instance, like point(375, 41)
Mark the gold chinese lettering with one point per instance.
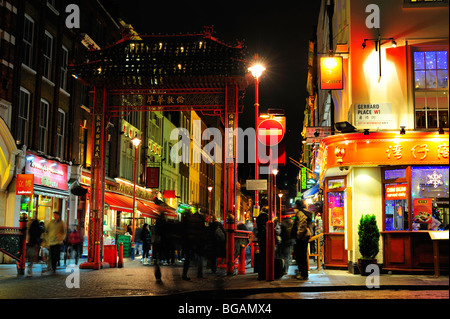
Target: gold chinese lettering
point(160, 99)
point(420, 149)
point(170, 100)
point(150, 99)
point(180, 100)
point(395, 151)
point(443, 151)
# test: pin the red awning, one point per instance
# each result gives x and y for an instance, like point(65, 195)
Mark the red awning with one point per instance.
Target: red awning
point(125, 204)
point(169, 211)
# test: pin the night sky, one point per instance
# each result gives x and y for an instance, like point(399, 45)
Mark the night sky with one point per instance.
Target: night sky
point(278, 31)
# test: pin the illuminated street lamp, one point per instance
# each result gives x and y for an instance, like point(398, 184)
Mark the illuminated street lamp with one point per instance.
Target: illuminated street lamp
point(209, 200)
point(256, 71)
point(275, 172)
point(136, 142)
point(280, 195)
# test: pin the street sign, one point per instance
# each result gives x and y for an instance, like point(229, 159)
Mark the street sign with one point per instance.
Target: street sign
point(271, 131)
point(257, 184)
point(24, 185)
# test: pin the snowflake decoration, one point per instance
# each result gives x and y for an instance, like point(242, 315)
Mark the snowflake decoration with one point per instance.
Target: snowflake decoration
point(435, 179)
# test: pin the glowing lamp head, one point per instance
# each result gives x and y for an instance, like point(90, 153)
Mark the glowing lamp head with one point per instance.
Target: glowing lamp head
point(257, 70)
point(210, 188)
point(330, 63)
point(136, 141)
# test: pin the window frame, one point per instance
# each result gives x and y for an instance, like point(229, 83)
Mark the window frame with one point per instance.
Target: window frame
point(437, 48)
point(28, 42)
point(64, 69)
point(47, 54)
point(22, 122)
point(60, 134)
point(43, 127)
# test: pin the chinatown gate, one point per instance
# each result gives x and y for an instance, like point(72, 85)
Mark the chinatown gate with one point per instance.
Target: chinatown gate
point(163, 73)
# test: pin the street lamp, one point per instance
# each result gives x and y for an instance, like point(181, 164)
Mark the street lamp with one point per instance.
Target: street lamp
point(275, 172)
point(136, 142)
point(280, 195)
point(209, 200)
point(256, 71)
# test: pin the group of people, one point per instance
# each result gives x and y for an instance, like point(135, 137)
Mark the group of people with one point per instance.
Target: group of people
point(292, 239)
point(190, 239)
point(48, 241)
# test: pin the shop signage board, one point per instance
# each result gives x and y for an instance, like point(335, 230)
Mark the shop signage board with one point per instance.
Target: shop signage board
point(257, 184)
point(24, 184)
point(152, 177)
point(439, 235)
point(331, 73)
point(373, 115)
point(315, 134)
point(47, 172)
point(357, 149)
point(396, 191)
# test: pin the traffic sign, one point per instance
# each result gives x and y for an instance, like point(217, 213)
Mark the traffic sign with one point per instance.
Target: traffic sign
point(271, 131)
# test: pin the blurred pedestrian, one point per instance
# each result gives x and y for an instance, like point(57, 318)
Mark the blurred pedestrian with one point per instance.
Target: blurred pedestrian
point(145, 238)
point(138, 242)
point(194, 238)
point(33, 245)
point(75, 241)
point(284, 250)
point(216, 240)
point(302, 232)
point(55, 233)
point(260, 233)
point(158, 244)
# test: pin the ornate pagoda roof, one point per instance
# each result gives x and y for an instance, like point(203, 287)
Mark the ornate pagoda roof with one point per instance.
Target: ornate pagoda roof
point(166, 61)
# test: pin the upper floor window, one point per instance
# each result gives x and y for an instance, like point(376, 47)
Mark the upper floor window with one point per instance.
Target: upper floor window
point(64, 63)
point(60, 132)
point(48, 47)
point(43, 126)
point(28, 40)
point(23, 117)
point(431, 89)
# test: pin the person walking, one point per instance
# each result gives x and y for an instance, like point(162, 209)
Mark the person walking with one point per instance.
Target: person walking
point(302, 232)
point(55, 233)
point(75, 241)
point(146, 241)
point(284, 250)
point(33, 245)
point(260, 233)
point(194, 238)
point(158, 244)
point(216, 241)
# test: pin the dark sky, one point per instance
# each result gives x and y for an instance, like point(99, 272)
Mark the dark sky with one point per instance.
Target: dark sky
point(278, 31)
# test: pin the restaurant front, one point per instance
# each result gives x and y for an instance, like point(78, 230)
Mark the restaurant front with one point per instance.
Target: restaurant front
point(402, 180)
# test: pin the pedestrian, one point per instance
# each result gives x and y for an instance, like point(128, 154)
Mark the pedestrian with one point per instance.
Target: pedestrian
point(284, 250)
point(194, 238)
point(260, 233)
point(138, 242)
point(302, 232)
point(145, 238)
point(75, 241)
point(33, 245)
point(157, 239)
point(216, 240)
point(55, 233)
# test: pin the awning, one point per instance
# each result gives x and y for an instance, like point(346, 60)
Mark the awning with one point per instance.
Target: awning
point(312, 191)
point(125, 204)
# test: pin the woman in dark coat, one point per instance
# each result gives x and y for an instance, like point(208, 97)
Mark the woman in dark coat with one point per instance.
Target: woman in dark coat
point(146, 242)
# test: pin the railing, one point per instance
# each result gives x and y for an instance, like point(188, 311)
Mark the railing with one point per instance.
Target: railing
point(13, 243)
point(242, 239)
point(320, 250)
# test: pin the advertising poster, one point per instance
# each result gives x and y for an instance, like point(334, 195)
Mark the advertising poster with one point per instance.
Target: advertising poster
point(423, 210)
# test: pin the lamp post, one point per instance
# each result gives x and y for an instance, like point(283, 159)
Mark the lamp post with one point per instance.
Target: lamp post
point(136, 142)
point(275, 172)
point(256, 71)
point(209, 202)
point(280, 195)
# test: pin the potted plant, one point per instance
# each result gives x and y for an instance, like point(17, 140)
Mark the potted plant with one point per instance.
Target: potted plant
point(369, 237)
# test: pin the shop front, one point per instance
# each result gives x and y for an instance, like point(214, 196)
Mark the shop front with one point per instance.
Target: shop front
point(50, 189)
point(402, 180)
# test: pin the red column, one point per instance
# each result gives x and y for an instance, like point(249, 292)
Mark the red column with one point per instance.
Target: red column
point(23, 222)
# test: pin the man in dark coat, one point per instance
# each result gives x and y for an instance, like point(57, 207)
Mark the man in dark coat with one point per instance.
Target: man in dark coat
point(194, 238)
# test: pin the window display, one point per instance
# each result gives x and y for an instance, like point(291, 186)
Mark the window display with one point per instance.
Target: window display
point(336, 211)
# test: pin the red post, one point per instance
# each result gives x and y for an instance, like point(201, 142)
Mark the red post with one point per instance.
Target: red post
point(270, 238)
point(252, 253)
point(23, 230)
point(230, 228)
point(241, 270)
point(120, 263)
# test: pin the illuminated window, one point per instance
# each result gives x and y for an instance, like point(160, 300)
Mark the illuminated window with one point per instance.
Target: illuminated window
point(431, 89)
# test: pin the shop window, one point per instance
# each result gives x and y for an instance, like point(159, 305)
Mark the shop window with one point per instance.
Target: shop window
point(394, 174)
point(336, 183)
point(336, 208)
point(431, 89)
point(396, 206)
point(430, 193)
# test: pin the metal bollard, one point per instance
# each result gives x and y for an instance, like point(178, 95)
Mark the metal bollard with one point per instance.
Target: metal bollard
point(241, 269)
point(120, 263)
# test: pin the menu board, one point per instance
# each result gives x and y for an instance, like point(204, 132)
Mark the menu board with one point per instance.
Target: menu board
point(423, 210)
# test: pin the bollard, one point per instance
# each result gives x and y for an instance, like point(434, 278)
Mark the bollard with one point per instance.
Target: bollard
point(252, 253)
point(256, 257)
point(241, 269)
point(23, 249)
point(120, 263)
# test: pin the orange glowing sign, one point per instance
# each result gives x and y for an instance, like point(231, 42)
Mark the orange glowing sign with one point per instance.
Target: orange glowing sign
point(396, 191)
point(331, 73)
point(24, 185)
